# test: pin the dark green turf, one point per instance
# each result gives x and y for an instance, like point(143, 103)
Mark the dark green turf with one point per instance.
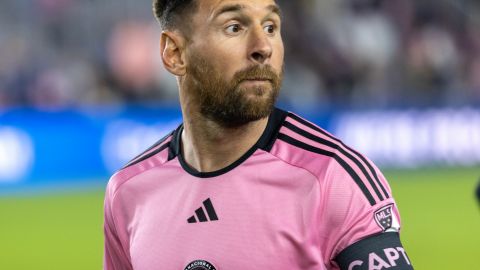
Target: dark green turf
point(440, 217)
point(52, 232)
point(441, 224)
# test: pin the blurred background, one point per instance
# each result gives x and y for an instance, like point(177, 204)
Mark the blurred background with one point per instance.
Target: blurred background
point(83, 90)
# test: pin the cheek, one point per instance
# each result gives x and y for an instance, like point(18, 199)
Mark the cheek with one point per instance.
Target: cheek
point(219, 54)
point(225, 66)
point(278, 57)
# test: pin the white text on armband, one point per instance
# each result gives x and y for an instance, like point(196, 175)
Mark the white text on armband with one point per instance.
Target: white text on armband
point(375, 262)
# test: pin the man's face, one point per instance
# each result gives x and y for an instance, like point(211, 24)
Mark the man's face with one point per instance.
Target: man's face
point(235, 59)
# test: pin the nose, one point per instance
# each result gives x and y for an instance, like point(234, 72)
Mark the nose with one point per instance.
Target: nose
point(260, 46)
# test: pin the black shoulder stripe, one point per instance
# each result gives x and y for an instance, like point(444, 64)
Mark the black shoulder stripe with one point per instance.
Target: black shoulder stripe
point(137, 159)
point(372, 170)
point(337, 147)
point(342, 162)
point(163, 147)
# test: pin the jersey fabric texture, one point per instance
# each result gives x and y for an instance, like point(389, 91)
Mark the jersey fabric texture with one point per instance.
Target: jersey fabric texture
point(298, 199)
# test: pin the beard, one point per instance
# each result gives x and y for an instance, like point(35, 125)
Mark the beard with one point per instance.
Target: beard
point(228, 102)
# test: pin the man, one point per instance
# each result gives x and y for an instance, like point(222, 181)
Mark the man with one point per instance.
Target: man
point(241, 184)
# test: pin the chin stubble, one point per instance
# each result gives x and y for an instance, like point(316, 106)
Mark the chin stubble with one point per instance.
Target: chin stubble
point(226, 102)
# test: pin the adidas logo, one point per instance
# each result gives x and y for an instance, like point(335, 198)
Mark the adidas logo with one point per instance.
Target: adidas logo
point(200, 214)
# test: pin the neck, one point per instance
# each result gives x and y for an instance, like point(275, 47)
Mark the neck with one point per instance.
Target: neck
point(208, 146)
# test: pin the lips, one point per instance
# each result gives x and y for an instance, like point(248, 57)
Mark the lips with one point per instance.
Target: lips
point(258, 79)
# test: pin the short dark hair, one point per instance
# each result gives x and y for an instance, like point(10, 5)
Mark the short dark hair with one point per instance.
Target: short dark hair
point(172, 12)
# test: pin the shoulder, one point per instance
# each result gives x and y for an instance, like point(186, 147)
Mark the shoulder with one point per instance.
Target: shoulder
point(356, 198)
point(155, 156)
point(304, 144)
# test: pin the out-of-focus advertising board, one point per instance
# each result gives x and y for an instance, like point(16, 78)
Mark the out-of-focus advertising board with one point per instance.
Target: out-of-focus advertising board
point(62, 148)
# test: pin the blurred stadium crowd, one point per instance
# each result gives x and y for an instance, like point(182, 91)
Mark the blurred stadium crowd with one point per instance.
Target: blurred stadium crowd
point(339, 53)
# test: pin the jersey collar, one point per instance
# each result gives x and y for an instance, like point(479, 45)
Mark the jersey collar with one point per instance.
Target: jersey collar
point(265, 142)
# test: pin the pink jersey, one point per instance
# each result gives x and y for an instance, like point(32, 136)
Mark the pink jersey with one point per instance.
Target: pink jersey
point(295, 200)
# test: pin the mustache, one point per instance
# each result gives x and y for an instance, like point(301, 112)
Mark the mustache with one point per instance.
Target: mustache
point(257, 73)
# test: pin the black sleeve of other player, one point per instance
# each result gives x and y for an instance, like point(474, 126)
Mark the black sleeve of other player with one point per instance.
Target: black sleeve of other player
point(381, 251)
point(478, 192)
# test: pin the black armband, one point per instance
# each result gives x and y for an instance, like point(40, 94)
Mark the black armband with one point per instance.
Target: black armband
point(379, 252)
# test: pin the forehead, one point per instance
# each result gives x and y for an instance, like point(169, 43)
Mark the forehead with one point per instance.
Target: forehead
point(211, 7)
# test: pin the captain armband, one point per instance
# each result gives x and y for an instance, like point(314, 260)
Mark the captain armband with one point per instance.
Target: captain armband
point(379, 252)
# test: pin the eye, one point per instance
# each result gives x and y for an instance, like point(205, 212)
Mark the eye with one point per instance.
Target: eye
point(233, 28)
point(270, 29)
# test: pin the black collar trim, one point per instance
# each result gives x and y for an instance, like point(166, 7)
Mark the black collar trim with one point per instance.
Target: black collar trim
point(265, 142)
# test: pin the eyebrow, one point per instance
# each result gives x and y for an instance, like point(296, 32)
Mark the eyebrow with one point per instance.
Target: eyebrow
point(237, 7)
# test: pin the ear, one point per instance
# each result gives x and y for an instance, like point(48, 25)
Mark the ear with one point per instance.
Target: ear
point(172, 52)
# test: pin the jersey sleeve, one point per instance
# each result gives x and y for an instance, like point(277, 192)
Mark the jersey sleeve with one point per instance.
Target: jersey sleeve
point(360, 221)
point(115, 257)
